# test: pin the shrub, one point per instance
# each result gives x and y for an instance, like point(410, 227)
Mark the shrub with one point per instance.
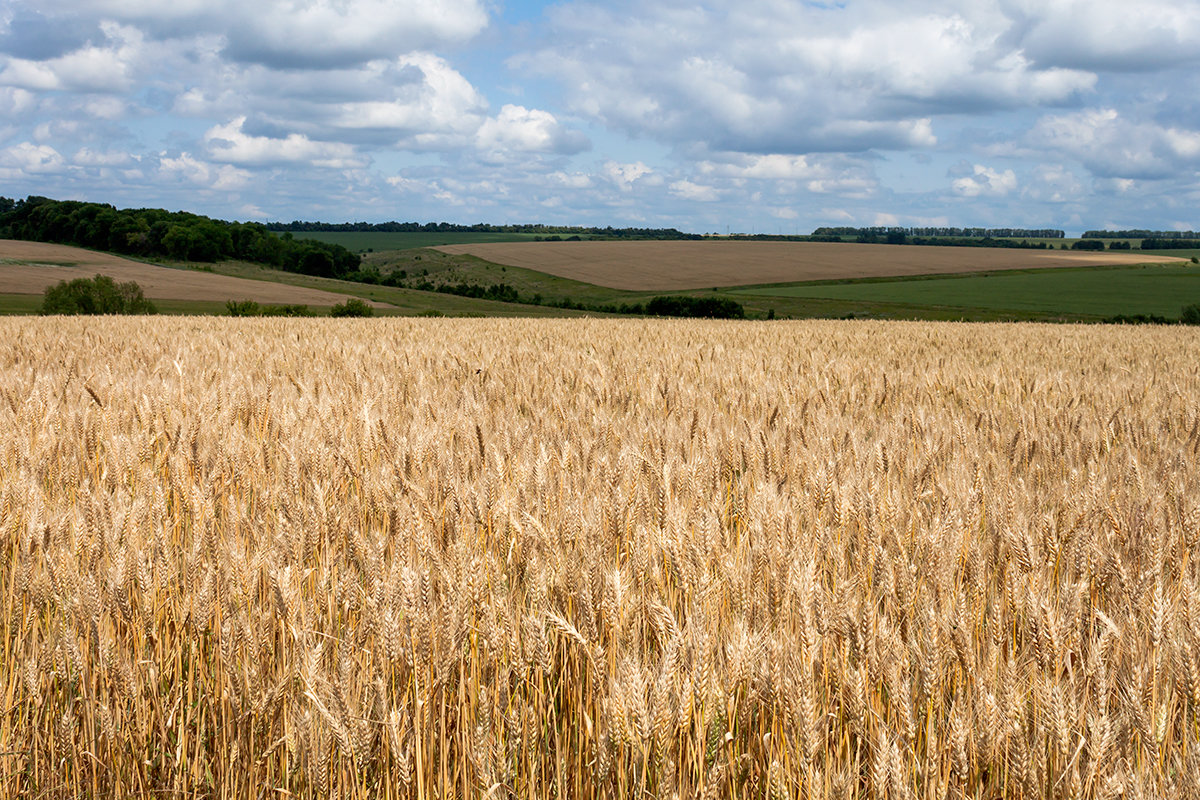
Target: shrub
point(712, 307)
point(242, 308)
point(250, 308)
point(352, 308)
point(1190, 314)
point(98, 295)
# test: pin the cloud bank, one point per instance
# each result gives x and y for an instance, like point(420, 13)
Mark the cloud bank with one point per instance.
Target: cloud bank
point(768, 115)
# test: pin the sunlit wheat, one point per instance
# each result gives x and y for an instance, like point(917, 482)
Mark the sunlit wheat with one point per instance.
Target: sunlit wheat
point(458, 558)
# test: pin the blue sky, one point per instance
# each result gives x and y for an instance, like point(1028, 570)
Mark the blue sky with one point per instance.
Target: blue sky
point(761, 115)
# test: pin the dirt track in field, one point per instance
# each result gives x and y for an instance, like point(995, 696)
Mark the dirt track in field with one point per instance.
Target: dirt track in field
point(29, 267)
point(696, 265)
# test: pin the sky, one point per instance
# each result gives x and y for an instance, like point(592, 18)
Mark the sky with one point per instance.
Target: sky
point(756, 116)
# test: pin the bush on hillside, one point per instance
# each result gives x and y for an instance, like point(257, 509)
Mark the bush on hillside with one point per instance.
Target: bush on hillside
point(352, 308)
point(1190, 314)
point(98, 295)
point(250, 308)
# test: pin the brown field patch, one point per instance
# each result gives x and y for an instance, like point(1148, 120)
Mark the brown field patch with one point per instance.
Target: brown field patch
point(653, 266)
point(29, 267)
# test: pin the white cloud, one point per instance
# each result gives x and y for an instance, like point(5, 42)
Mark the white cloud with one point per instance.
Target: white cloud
point(986, 182)
point(437, 107)
point(201, 173)
point(14, 102)
point(228, 143)
point(771, 77)
point(1109, 34)
point(87, 157)
point(88, 69)
point(1111, 146)
point(523, 130)
point(694, 191)
point(1054, 183)
point(29, 158)
point(296, 33)
point(625, 175)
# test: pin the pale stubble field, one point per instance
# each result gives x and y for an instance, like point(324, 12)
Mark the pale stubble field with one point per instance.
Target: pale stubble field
point(397, 558)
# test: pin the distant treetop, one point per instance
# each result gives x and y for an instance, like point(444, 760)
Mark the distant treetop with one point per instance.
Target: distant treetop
point(1140, 234)
point(971, 233)
point(296, 226)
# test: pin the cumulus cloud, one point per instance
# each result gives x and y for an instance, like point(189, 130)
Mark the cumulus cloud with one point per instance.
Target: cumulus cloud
point(1108, 35)
point(432, 107)
point(201, 173)
point(985, 182)
point(1111, 146)
point(796, 78)
point(1054, 183)
point(694, 191)
point(702, 114)
point(230, 144)
point(87, 157)
point(91, 68)
point(523, 130)
point(30, 158)
point(625, 175)
point(291, 33)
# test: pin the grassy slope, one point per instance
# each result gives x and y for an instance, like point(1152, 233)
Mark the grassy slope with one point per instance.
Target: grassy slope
point(1076, 293)
point(404, 301)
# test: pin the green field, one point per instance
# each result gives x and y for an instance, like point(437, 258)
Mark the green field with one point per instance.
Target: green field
point(360, 242)
point(1088, 292)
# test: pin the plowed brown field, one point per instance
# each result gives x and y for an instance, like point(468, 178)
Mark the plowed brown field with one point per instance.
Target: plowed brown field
point(29, 267)
point(695, 265)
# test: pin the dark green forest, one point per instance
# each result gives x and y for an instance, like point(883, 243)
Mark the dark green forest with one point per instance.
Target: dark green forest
point(178, 235)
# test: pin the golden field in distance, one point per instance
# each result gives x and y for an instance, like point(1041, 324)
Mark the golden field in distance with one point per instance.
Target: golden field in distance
point(674, 265)
point(530, 559)
point(30, 267)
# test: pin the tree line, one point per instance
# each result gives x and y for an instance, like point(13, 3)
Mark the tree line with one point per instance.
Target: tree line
point(1170, 244)
point(157, 233)
point(659, 306)
point(1140, 234)
point(609, 232)
point(961, 233)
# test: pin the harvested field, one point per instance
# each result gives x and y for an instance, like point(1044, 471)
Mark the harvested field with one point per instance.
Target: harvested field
point(612, 559)
point(29, 267)
point(663, 266)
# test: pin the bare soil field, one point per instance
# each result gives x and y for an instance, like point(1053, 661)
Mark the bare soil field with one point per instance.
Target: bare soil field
point(653, 266)
point(29, 267)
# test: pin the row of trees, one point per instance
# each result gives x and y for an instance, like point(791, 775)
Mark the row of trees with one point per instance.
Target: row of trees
point(963, 233)
point(661, 306)
point(609, 232)
point(1141, 234)
point(156, 233)
point(1170, 244)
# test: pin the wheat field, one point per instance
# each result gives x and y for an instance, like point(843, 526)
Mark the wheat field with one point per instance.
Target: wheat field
point(621, 559)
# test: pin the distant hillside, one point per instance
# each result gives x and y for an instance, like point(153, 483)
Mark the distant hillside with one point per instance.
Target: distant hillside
point(157, 233)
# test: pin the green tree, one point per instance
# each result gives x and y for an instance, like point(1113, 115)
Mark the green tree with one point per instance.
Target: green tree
point(98, 295)
point(352, 308)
